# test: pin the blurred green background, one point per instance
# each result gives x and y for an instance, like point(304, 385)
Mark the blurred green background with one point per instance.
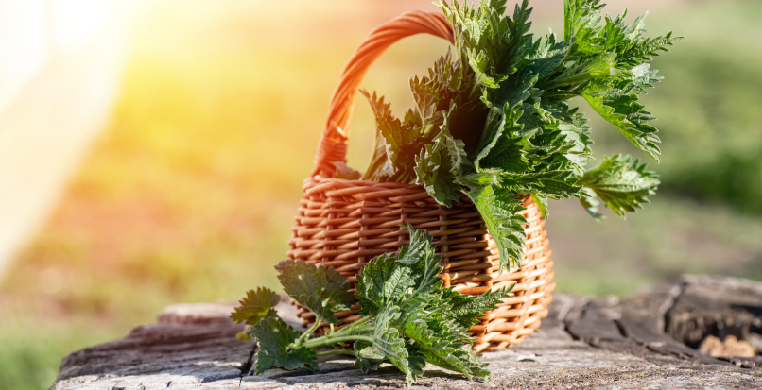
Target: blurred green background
point(189, 193)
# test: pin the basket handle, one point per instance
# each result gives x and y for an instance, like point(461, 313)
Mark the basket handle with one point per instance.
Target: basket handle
point(335, 136)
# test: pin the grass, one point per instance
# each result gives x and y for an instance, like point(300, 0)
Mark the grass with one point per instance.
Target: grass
point(670, 237)
point(190, 192)
point(31, 352)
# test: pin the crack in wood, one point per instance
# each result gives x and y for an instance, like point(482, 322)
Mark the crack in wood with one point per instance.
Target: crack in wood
point(668, 313)
point(572, 314)
point(246, 366)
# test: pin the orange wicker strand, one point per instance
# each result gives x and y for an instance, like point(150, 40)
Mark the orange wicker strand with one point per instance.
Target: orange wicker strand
point(345, 223)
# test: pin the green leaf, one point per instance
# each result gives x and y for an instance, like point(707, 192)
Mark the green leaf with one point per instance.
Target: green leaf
point(401, 141)
point(622, 184)
point(434, 170)
point(399, 279)
point(383, 282)
point(322, 291)
point(420, 256)
point(388, 342)
point(597, 67)
point(257, 305)
point(581, 24)
point(440, 165)
point(616, 102)
point(590, 202)
point(274, 336)
point(500, 210)
point(542, 204)
point(368, 358)
point(466, 309)
point(440, 340)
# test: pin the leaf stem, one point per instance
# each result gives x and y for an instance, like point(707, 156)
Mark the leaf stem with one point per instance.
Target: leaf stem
point(306, 335)
point(335, 351)
point(328, 340)
point(353, 332)
point(356, 331)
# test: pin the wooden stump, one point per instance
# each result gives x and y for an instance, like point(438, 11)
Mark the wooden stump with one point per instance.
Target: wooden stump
point(634, 343)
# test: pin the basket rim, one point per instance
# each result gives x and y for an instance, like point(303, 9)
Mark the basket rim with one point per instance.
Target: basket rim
point(315, 181)
point(364, 182)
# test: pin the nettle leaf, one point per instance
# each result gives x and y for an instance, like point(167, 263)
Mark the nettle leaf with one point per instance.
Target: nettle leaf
point(388, 341)
point(576, 132)
point(368, 358)
point(579, 73)
point(542, 204)
point(401, 141)
point(322, 291)
point(419, 251)
point(465, 309)
point(274, 336)
point(436, 320)
point(434, 93)
point(629, 43)
point(546, 56)
point(440, 340)
point(434, 170)
point(616, 102)
point(590, 202)
point(508, 153)
point(447, 94)
point(439, 166)
point(257, 305)
point(380, 169)
point(506, 104)
point(500, 210)
point(615, 97)
point(400, 279)
point(476, 26)
point(383, 282)
point(420, 255)
point(621, 183)
point(582, 24)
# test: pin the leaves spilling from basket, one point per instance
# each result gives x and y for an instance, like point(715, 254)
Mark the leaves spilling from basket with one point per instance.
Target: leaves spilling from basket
point(492, 122)
point(409, 319)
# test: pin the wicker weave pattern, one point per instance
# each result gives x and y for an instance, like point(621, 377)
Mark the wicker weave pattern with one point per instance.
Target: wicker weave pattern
point(345, 223)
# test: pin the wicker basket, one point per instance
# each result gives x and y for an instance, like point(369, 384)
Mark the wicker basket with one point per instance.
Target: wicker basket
point(345, 223)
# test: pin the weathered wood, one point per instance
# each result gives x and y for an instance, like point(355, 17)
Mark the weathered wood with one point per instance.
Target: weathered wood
point(643, 320)
point(583, 343)
point(720, 307)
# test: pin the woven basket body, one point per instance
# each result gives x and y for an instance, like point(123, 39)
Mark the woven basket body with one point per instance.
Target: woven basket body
point(345, 223)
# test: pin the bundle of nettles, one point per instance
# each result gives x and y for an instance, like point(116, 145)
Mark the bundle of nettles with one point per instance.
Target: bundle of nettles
point(409, 319)
point(493, 121)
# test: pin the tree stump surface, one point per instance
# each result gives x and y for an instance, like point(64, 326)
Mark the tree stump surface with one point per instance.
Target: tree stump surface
point(648, 341)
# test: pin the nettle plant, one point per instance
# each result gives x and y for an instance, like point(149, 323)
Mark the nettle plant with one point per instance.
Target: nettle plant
point(492, 122)
point(409, 319)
